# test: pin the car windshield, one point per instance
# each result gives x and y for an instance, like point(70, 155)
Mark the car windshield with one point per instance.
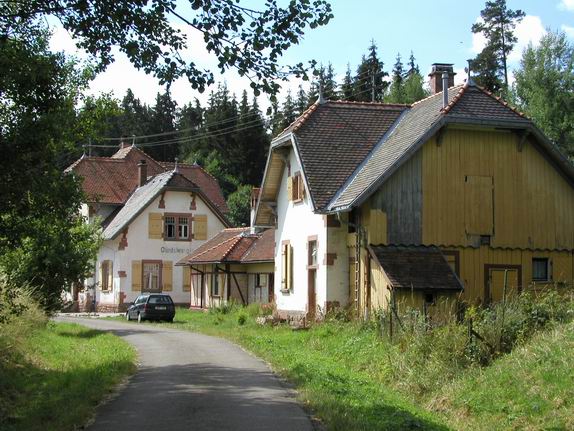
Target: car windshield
point(159, 300)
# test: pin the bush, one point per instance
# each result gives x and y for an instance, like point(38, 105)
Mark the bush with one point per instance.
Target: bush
point(224, 308)
point(424, 358)
point(242, 318)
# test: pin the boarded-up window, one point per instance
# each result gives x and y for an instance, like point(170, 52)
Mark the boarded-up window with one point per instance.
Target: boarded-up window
point(286, 266)
point(155, 226)
point(106, 275)
point(167, 276)
point(186, 279)
point(479, 205)
point(200, 227)
point(136, 276)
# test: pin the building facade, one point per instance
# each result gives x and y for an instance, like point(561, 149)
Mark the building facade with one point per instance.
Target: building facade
point(369, 200)
point(152, 216)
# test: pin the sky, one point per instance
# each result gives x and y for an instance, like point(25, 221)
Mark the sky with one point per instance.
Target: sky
point(435, 31)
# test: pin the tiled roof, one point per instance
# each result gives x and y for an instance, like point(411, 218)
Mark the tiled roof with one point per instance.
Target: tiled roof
point(416, 267)
point(334, 138)
point(467, 103)
point(234, 246)
point(111, 180)
point(206, 182)
point(138, 201)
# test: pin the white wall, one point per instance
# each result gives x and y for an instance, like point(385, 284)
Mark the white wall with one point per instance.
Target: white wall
point(338, 273)
point(296, 222)
point(141, 247)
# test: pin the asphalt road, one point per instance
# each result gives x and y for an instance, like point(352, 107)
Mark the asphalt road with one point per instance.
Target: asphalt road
point(188, 381)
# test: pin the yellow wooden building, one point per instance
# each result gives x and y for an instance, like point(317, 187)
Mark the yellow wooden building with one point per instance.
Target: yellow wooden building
point(445, 198)
point(477, 181)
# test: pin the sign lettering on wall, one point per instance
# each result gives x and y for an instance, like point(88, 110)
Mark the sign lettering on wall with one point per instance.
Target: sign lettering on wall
point(178, 250)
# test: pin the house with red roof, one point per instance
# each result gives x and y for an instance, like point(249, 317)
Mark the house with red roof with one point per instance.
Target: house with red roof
point(457, 197)
point(152, 215)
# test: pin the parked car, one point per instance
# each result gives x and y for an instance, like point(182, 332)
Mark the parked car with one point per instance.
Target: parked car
point(152, 306)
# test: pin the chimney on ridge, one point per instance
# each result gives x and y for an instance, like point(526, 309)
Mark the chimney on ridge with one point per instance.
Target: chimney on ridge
point(142, 172)
point(436, 76)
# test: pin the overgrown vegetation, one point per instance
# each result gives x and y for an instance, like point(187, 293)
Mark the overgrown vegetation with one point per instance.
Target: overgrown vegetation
point(52, 375)
point(353, 377)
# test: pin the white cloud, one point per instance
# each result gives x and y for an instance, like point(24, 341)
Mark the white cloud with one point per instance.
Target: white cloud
point(568, 30)
point(121, 75)
point(566, 4)
point(529, 30)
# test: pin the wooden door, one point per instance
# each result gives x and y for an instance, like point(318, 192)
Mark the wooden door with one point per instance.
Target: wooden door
point(496, 282)
point(312, 295)
point(196, 289)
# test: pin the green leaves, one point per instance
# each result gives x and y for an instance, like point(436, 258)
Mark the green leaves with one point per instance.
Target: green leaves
point(250, 41)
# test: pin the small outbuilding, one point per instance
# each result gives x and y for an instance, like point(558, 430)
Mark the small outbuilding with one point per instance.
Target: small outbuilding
point(237, 264)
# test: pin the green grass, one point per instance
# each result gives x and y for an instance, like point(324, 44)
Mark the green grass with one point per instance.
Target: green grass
point(531, 388)
point(53, 376)
point(352, 379)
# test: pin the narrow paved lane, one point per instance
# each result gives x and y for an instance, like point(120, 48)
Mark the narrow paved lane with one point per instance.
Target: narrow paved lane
point(188, 381)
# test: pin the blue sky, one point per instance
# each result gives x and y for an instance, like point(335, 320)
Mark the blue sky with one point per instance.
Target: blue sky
point(436, 31)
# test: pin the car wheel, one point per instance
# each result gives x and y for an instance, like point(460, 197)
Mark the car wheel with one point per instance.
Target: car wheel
point(140, 318)
point(128, 318)
point(170, 320)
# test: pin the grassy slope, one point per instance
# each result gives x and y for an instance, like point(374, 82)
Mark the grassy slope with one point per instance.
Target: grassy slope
point(54, 377)
point(531, 388)
point(342, 372)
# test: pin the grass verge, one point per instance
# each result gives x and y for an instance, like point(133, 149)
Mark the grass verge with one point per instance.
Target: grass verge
point(53, 375)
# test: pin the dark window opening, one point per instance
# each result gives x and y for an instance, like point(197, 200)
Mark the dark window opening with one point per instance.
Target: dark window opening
point(429, 299)
point(540, 269)
point(170, 228)
point(484, 239)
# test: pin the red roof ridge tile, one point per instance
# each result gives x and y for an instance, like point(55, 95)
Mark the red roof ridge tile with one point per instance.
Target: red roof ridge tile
point(502, 101)
point(367, 104)
point(295, 125)
point(219, 245)
point(455, 99)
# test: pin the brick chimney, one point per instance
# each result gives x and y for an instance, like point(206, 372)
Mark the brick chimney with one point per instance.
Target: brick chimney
point(435, 75)
point(142, 172)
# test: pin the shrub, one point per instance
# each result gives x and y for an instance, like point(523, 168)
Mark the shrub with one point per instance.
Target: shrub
point(242, 318)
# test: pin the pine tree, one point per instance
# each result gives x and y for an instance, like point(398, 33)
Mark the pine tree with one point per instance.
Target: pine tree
point(288, 111)
point(347, 90)
point(413, 67)
point(163, 116)
point(135, 117)
point(397, 88)
point(302, 101)
point(497, 26)
point(414, 83)
point(370, 85)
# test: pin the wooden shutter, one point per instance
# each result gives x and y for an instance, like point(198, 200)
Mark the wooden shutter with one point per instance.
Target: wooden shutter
point(301, 187)
point(136, 275)
point(290, 188)
point(479, 205)
point(200, 227)
point(284, 266)
point(101, 275)
point(167, 276)
point(155, 226)
point(289, 267)
point(186, 279)
point(110, 274)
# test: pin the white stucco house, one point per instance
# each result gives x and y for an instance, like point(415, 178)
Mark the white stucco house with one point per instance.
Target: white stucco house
point(152, 214)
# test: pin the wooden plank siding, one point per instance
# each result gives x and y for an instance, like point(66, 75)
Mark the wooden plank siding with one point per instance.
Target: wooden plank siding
point(533, 204)
point(527, 205)
point(401, 199)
